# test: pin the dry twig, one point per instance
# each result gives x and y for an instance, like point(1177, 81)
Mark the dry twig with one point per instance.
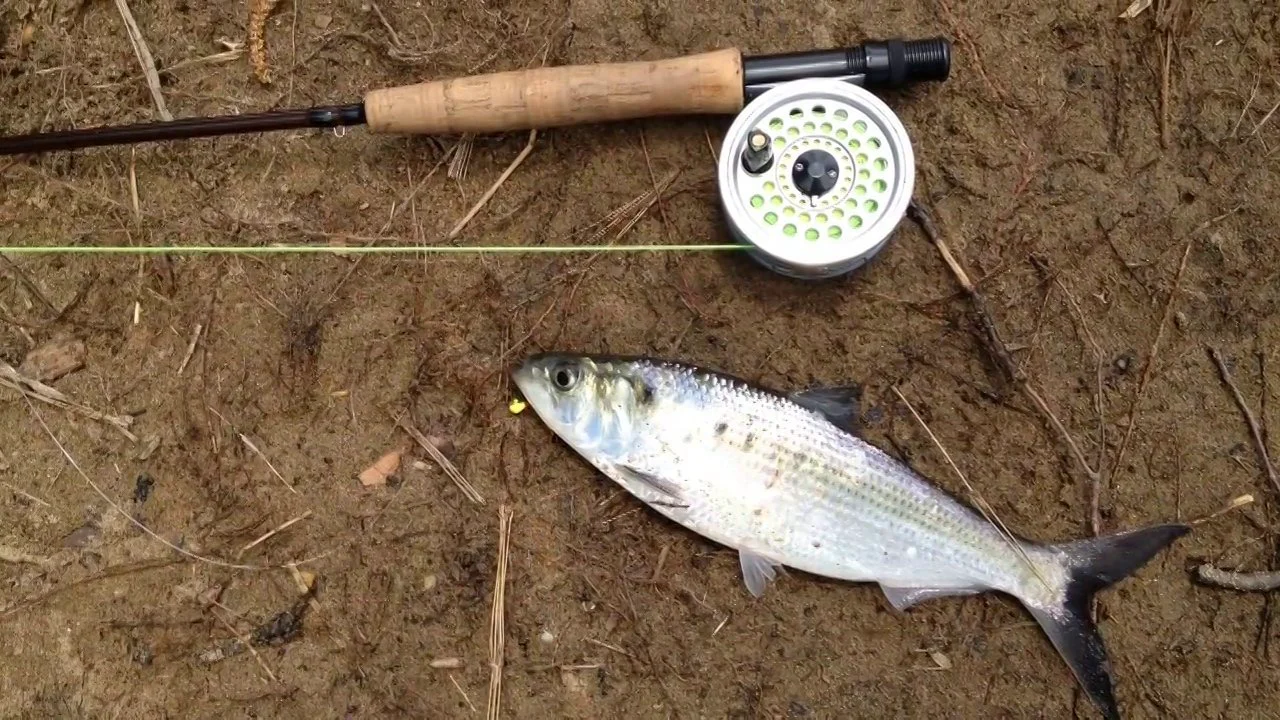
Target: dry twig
point(30, 388)
point(484, 199)
point(191, 348)
point(143, 52)
point(497, 628)
point(1242, 581)
point(272, 533)
point(244, 642)
point(1255, 430)
point(137, 523)
point(1151, 359)
point(254, 448)
point(449, 469)
point(991, 337)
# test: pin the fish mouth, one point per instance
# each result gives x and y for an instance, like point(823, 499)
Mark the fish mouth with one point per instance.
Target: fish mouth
point(530, 379)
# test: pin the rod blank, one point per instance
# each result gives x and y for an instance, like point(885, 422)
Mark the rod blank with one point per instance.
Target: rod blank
point(714, 82)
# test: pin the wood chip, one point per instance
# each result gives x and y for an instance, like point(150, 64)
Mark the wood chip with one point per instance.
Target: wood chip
point(449, 663)
point(944, 662)
point(1136, 8)
point(54, 359)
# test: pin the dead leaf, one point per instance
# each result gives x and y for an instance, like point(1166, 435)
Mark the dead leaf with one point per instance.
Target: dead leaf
point(54, 359)
point(376, 474)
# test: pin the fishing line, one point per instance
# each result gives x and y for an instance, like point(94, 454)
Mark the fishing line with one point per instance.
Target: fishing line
point(357, 250)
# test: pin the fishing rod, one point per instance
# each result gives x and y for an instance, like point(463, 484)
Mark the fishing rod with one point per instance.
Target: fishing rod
point(715, 82)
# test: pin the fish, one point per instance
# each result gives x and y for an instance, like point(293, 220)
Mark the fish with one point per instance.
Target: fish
point(788, 481)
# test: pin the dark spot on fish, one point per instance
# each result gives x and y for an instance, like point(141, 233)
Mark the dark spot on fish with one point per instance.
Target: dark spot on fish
point(801, 459)
point(721, 427)
point(749, 441)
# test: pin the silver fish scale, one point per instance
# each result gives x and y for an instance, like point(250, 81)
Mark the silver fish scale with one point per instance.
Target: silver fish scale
point(758, 472)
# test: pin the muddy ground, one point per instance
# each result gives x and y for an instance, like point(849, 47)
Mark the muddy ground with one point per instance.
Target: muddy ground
point(1070, 162)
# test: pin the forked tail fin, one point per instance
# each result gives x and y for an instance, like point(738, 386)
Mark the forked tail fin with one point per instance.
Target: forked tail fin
point(1094, 564)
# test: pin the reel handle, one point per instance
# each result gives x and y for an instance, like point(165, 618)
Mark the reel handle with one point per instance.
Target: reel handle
point(701, 84)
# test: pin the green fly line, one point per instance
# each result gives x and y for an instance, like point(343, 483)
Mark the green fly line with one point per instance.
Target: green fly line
point(355, 250)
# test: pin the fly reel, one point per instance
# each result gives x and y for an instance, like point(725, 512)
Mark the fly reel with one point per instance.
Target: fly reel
point(815, 175)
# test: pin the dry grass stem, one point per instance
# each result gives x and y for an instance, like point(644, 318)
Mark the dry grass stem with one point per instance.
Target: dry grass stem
point(254, 448)
point(1255, 430)
point(994, 344)
point(448, 467)
point(233, 52)
point(1096, 478)
point(1265, 118)
point(1235, 504)
point(497, 628)
point(1151, 359)
point(463, 693)
point(143, 52)
point(191, 348)
point(20, 491)
point(30, 388)
point(488, 194)
point(247, 644)
point(1265, 581)
point(461, 157)
point(397, 49)
point(116, 506)
point(1235, 129)
point(607, 646)
point(10, 319)
point(133, 184)
point(272, 533)
point(19, 557)
point(983, 506)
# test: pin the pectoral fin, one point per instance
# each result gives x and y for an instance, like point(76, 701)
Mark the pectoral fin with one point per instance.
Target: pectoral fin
point(903, 598)
point(757, 571)
point(840, 405)
point(641, 478)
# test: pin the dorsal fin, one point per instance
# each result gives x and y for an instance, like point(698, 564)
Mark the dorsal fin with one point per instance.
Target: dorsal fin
point(839, 404)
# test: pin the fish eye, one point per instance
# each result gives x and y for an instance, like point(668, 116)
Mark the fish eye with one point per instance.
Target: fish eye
point(565, 377)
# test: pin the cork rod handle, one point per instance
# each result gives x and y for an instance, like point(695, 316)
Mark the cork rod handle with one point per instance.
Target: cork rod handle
point(705, 83)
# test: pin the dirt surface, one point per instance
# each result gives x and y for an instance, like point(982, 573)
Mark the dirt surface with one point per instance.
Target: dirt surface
point(1070, 161)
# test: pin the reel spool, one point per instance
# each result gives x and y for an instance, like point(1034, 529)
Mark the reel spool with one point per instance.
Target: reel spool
point(815, 175)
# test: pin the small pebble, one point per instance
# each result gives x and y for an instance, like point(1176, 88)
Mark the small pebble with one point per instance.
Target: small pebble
point(447, 663)
point(546, 637)
point(322, 21)
point(429, 583)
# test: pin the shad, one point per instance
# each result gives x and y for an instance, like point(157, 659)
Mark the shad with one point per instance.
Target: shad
point(783, 479)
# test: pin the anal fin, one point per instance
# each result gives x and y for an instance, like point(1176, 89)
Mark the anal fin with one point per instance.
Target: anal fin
point(757, 571)
point(903, 598)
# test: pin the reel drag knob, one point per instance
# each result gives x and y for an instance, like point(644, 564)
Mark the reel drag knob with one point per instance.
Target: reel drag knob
point(814, 176)
point(815, 173)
